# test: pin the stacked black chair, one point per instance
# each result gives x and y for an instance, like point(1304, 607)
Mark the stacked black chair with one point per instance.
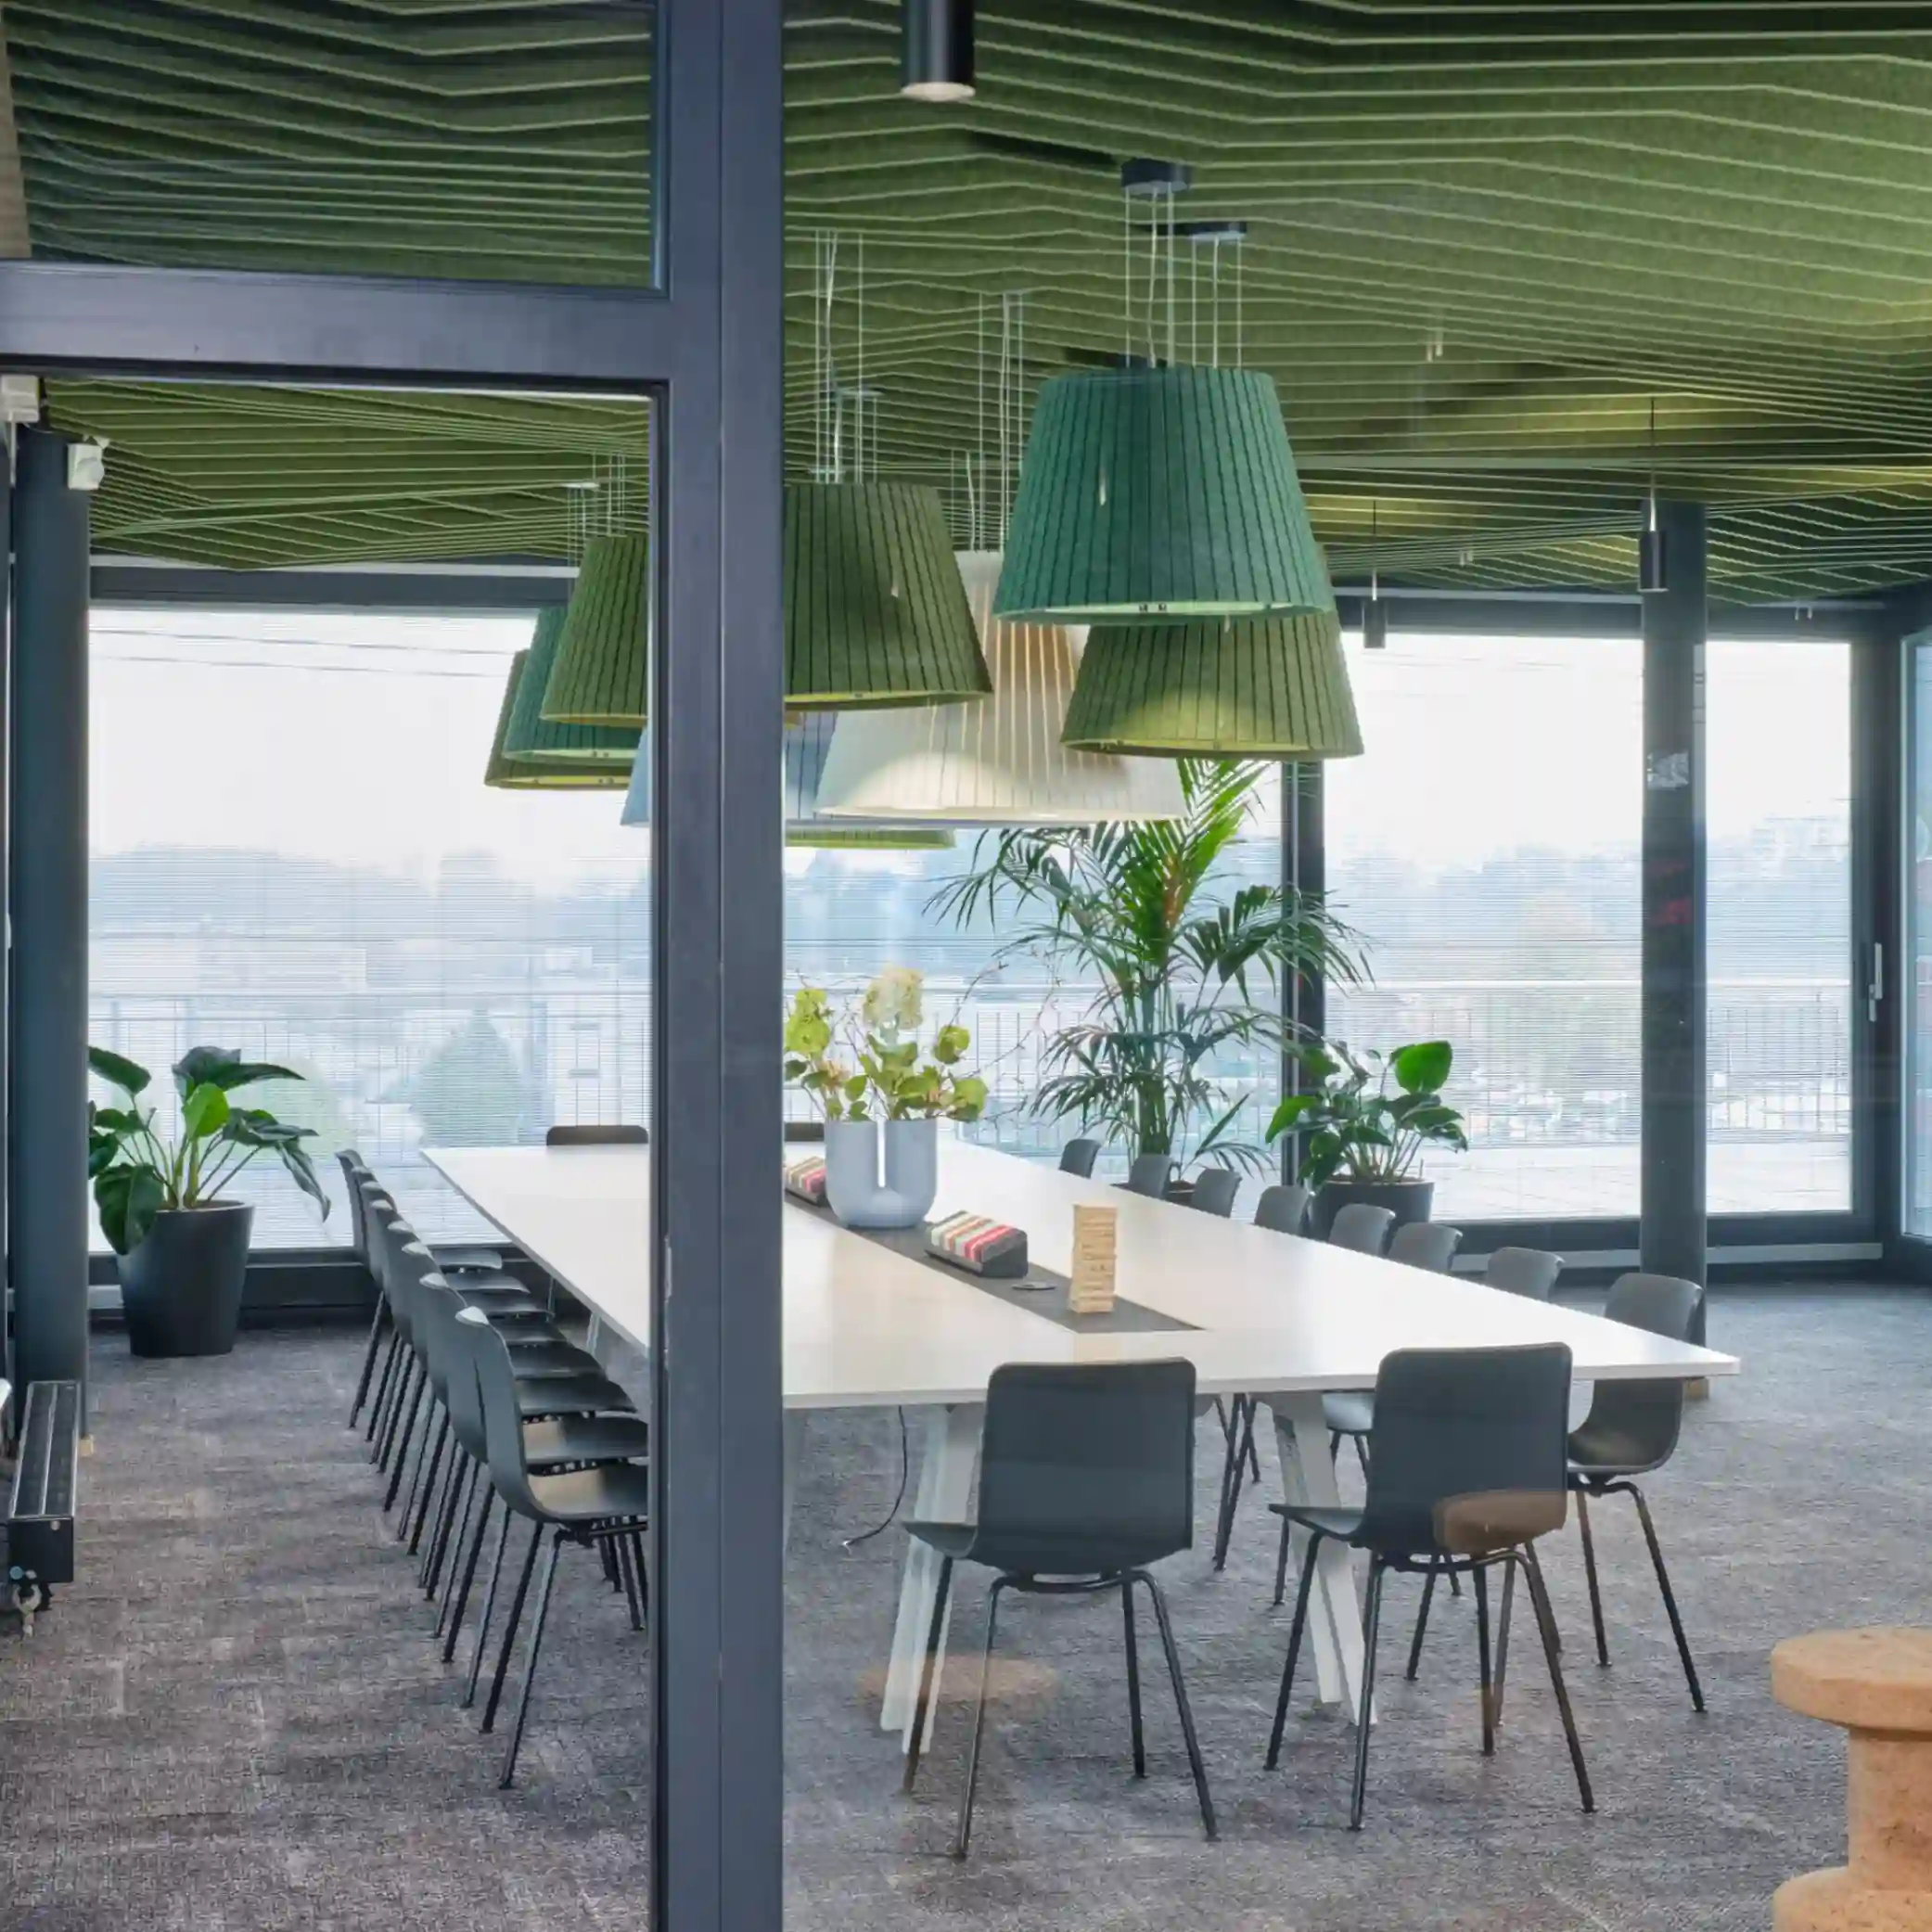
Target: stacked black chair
point(1078, 1158)
point(1086, 1477)
point(1361, 1226)
point(1215, 1189)
point(1468, 1470)
point(617, 1136)
point(1631, 1429)
point(1282, 1207)
point(1523, 1271)
point(1149, 1175)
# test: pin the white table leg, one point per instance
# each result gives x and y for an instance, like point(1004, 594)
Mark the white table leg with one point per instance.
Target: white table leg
point(945, 1488)
point(1334, 1612)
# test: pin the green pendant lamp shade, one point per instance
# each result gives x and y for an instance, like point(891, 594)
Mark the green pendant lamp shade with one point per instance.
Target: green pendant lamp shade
point(875, 613)
point(1162, 495)
point(1257, 687)
point(534, 739)
point(603, 670)
point(505, 774)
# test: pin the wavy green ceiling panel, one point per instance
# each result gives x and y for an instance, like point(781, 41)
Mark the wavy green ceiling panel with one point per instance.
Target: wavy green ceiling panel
point(1484, 240)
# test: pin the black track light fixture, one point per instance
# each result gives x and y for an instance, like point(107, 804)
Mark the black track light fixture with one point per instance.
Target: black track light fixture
point(936, 52)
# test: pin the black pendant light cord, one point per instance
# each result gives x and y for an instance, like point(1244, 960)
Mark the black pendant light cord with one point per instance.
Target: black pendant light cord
point(891, 1516)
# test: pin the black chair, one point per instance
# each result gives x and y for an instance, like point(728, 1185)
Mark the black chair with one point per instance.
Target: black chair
point(1468, 1470)
point(1149, 1175)
point(1078, 1158)
point(1214, 1190)
point(613, 1136)
point(1282, 1207)
point(1631, 1429)
point(1361, 1226)
point(1427, 1245)
point(607, 1502)
point(1086, 1477)
point(1523, 1271)
point(804, 1132)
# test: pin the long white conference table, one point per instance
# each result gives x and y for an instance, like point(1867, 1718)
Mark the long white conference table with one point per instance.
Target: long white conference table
point(1269, 1314)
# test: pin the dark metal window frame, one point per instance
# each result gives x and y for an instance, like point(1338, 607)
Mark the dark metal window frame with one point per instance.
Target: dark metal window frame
point(1844, 1240)
point(706, 347)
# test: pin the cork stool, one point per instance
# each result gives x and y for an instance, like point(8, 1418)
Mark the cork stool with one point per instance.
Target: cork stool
point(1878, 1684)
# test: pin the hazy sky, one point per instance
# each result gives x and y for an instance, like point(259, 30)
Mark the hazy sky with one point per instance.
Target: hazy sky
point(363, 738)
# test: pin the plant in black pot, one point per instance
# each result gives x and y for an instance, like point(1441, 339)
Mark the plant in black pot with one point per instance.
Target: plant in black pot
point(183, 1250)
point(1363, 1121)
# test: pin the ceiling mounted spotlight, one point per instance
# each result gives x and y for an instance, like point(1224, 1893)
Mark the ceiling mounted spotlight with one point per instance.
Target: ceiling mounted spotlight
point(936, 50)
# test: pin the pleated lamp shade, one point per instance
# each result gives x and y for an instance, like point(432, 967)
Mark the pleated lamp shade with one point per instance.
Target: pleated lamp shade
point(534, 739)
point(998, 762)
point(1256, 687)
point(807, 743)
point(1161, 495)
point(502, 773)
point(875, 613)
point(603, 670)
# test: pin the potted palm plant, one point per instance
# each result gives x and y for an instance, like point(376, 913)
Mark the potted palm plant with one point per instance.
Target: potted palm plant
point(1361, 1139)
point(1189, 976)
point(183, 1250)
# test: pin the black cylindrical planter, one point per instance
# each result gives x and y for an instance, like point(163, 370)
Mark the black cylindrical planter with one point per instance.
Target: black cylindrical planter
point(1407, 1200)
point(181, 1289)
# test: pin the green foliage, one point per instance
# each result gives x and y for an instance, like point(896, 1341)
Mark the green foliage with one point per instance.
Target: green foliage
point(1182, 974)
point(137, 1172)
point(884, 1072)
point(1352, 1125)
point(470, 1091)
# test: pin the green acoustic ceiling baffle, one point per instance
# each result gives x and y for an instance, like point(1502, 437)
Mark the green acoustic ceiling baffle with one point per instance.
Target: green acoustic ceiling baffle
point(504, 774)
point(534, 739)
point(1235, 687)
point(874, 612)
point(603, 670)
point(1163, 494)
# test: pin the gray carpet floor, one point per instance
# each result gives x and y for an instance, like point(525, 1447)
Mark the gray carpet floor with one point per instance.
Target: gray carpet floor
point(235, 1722)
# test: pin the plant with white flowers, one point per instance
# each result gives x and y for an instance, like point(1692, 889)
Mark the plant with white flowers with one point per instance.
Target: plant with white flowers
point(890, 1081)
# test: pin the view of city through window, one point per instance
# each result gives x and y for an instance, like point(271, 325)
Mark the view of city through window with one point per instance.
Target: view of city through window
point(450, 964)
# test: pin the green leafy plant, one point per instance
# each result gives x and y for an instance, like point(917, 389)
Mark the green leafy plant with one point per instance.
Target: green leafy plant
point(1185, 975)
point(138, 1171)
point(886, 1077)
point(1354, 1127)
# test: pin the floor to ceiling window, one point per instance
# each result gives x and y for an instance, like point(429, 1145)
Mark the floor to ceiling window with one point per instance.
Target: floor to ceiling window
point(1778, 886)
point(1916, 979)
point(1486, 847)
point(445, 965)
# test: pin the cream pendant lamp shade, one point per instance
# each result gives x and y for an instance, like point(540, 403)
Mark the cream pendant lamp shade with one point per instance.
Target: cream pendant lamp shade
point(875, 613)
point(603, 670)
point(807, 742)
point(504, 774)
point(534, 739)
point(1266, 687)
point(1159, 494)
point(998, 762)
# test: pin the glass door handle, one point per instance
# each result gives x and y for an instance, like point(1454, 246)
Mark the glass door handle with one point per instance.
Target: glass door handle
point(1874, 988)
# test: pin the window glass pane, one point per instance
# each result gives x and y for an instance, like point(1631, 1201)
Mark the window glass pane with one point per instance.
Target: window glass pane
point(848, 914)
point(1486, 846)
point(447, 964)
point(500, 140)
point(1778, 807)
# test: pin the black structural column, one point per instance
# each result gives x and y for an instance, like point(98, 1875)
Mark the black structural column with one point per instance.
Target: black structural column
point(1674, 1125)
point(46, 1168)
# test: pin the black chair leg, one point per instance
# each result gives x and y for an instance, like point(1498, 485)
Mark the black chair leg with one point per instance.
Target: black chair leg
point(429, 1483)
point(379, 1406)
point(1181, 1703)
point(1295, 1630)
point(459, 1602)
point(608, 1557)
point(475, 1661)
point(456, 1509)
point(626, 1564)
point(1482, 1659)
point(1546, 1624)
point(400, 1447)
point(1422, 1620)
point(1134, 1679)
point(920, 1704)
point(1280, 1564)
point(1597, 1596)
point(972, 1777)
point(1509, 1589)
point(1248, 1438)
point(529, 1668)
point(1371, 1630)
point(1231, 1467)
point(1362, 1455)
point(369, 1355)
point(644, 1578)
point(1663, 1583)
point(500, 1675)
point(409, 1392)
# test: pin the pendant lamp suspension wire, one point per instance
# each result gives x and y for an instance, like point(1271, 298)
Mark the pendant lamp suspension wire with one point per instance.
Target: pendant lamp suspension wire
point(1652, 515)
point(974, 499)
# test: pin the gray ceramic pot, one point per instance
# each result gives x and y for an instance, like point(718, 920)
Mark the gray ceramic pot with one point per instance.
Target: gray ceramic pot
point(856, 1191)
